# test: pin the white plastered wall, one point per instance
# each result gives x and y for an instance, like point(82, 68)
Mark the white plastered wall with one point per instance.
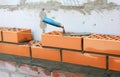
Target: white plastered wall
point(106, 21)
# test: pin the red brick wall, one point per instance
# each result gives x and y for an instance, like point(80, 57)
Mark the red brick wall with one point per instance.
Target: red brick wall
point(11, 69)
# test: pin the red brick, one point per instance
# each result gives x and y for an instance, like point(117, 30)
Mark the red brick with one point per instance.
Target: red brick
point(45, 53)
point(27, 70)
point(86, 59)
point(43, 72)
point(61, 74)
point(13, 49)
point(114, 63)
point(76, 75)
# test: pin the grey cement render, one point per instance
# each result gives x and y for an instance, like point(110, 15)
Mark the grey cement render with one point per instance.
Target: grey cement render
point(86, 8)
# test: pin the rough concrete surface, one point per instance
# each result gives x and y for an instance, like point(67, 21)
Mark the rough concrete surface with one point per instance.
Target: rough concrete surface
point(86, 8)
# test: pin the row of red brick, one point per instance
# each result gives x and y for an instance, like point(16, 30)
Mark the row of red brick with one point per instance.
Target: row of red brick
point(90, 43)
point(94, 43)
point(15, 35)
point(106, 44)
point(68, 56)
